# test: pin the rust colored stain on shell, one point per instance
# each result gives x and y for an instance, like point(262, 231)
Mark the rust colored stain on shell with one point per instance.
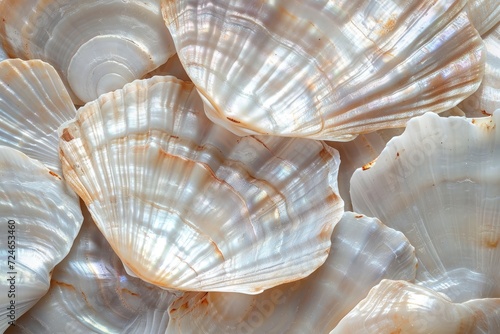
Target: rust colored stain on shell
point(261, 142)
point(400, 323)
point(233, 120)
point(332, 198)
point(127, 291)
point(217, 250)
point(326, 232)
point(62, 284)
point(486, 125)
point(359, 216)
point(54, 174)
point(484, 112)
point(66, 136)
point(386, 26)
point(491, 242)
point(369, 165)
point(282, 11)
point(185, 306)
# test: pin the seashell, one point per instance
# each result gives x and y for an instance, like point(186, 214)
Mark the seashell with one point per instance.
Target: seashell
point(486, 100)
point(325, 70)
point(363, 252)
point(30, 129)
point(93, 49)
point(484, 14)
point(92, 293)
point(40, 218)
point(358, 153)
point(438, 183)
point(402, 307)
point(188, 205)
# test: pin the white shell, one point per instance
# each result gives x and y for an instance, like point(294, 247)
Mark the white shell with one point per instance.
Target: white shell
point(363, 252)
point(486, 100)
point(92, 293)
point(40, 218)
point(439, 184)
point(188, 205)
point(33, 104)
point(96, 46)
point(364, 150)
point(402, 307)
point(325, 69)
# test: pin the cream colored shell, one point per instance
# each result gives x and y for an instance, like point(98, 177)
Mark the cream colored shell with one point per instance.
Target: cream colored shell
point(33, 104)
point(40, 218)
point(486, 100)
point(363, 252)
point(188, 205)
point(401, 307)
point(439, 184)
point(91, 293)
point(96, 46)
point(325, 69)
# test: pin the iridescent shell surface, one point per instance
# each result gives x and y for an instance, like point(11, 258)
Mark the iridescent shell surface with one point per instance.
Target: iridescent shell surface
point(31, 130)
point(96, 46)
point(90, 290)
point(325, 69)
point(187, 204)
point(40, 218)
point(363, 252)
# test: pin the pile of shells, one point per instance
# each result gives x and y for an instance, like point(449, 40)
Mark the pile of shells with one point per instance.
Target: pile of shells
point(238, 166)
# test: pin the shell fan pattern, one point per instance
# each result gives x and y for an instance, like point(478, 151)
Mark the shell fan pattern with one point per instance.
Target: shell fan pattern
point(43, 216)
point(93, 49)
point(188, 205)
point(325, 69)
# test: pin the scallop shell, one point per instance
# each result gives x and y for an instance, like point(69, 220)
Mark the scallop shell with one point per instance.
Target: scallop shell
point(363, 252)
point(93, 49)
point(92, 293)
point(438, 183)
point(486, 100)
point(30, 129)
point(40, 218)
point(325, 69)
point(188, 205)
point(402, 307)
